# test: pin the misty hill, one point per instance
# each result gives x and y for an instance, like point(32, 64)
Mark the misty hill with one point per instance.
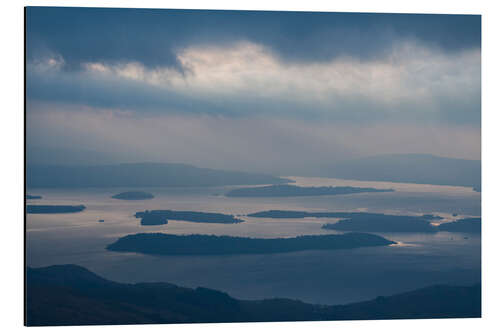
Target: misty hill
point(40, 155)
point(469, 225)
point(133, 195)
point(139, 175)
point(53, 209)
point(72, 295)
point(299, 191)
point(409, 168)
point(166, 244)
point(149, 217)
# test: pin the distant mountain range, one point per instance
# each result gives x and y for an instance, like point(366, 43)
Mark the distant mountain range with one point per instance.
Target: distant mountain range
point(72, 295)
point(409, 168)
point(139, 175)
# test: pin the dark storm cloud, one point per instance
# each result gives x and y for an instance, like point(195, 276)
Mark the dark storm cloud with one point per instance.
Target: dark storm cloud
point(152, 37)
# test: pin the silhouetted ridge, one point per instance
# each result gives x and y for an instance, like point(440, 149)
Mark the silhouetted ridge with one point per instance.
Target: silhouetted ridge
point(72, 295)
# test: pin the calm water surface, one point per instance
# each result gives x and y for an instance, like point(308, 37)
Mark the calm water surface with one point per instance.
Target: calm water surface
point(328, 277)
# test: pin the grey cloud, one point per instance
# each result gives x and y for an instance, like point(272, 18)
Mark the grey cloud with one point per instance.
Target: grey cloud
point(153, 37)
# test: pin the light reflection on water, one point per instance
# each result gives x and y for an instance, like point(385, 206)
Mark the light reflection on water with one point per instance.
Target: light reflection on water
point(315, 276)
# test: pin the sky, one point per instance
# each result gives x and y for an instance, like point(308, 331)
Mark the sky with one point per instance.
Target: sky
point(277, 92)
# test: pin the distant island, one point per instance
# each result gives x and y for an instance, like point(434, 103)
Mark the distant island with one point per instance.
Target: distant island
point(166, 244)
point(469, 225)
point(384, 223)
point(376, 222)
point(298, 191)
point(139, 175)
point(133, 195)
point(295, 214)
point(53, 209)
point(432, 217)
point(32, 197)
point(154, 217)
point(73, 295)
point(360, 221)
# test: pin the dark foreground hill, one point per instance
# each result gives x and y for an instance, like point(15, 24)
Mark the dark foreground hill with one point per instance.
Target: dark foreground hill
point(72, 295)
point(139, 175)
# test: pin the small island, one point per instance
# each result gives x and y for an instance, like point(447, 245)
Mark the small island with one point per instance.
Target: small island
point(155, 217)
point(133, 195)
point(469, 225)
point(53, 209)
point(166, 244)
point(33, 197)
point(299, 191)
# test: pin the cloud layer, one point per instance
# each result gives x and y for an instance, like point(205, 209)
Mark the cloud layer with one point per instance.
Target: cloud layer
point(245, 79)
point(254, 90)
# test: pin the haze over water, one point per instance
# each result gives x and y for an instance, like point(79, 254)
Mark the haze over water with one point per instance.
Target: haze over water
point(327, 277)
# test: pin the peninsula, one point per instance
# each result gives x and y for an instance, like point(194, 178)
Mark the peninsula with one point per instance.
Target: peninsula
point(299, 191)
point(469, 225)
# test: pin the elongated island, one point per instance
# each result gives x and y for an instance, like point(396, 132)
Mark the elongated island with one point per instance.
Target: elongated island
point(53, 209)
point(156, 217)
point(133, 195)
point(299, 191)
point(166, 244)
